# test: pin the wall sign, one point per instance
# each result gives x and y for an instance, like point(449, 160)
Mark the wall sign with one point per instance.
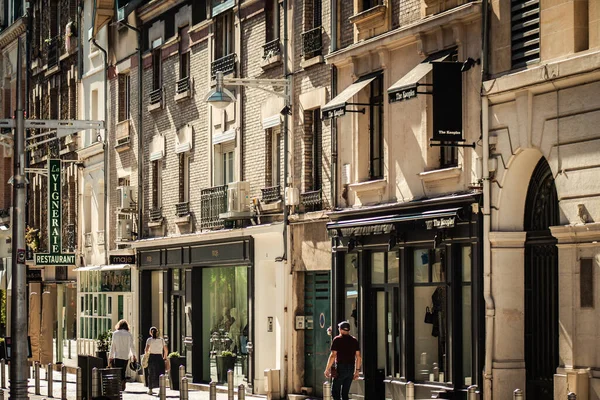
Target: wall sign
point(122, 259)
point(405, 94)
point(440, 223)
point(55, 257)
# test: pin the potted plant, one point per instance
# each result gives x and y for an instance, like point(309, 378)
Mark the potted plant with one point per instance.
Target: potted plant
point(176, 360)
point(103, 346)
point(225, 362)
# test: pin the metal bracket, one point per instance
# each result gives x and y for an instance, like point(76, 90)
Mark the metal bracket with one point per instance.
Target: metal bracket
point(362, 111)
point(451, 145)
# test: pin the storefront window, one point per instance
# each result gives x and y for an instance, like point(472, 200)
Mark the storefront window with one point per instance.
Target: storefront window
point(351, 294)
point(225, 318)
point(430, 311)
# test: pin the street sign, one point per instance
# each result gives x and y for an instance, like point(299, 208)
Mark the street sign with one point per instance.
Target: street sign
point(20, 256)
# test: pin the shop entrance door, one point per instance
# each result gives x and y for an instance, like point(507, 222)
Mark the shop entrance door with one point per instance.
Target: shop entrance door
point(177, 323)
point(317, 309)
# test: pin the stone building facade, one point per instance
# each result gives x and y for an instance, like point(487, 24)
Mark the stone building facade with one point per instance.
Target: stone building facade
point(541, 99)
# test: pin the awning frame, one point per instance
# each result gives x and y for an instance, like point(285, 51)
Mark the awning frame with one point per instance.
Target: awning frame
point(337, 107)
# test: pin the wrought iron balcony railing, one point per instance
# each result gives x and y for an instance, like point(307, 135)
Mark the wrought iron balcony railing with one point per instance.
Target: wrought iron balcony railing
point(182, 85)
point(224, 64)
point(213, 201)
point(156, 96)
point(155, 214)
point(312, 42)
point(182, 209)
point(312, 201)
point(271, 49)
point(100, 237)
point(88, 239)
point(271, 194)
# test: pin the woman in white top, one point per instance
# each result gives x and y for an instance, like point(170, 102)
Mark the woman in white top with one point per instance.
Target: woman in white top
point(156, 351)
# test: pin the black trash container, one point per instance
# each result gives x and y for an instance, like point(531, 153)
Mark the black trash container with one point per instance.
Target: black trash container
point(87, 364)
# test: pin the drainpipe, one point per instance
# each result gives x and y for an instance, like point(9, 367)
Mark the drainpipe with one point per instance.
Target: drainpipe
point(333, 26)
point(490, 308)
point(105, 147)
point(286, 119)
point(334, 152)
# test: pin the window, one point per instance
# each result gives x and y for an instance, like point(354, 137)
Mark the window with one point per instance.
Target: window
point(317, 149)
point(225, 163)
point(271, 20)
point(198, 11)
point(156, 69)
point(184, 53)
point(448, 156)
point(156, 184)
point(376, 128)
point(184, 177)
point(223, 35)
point(368, 4)
point(54, 113)
point(525, 40)
point(273, 157)
point(123, 97)
point(317, 13)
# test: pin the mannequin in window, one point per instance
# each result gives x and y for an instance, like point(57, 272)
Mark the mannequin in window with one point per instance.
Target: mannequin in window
point(439, 298)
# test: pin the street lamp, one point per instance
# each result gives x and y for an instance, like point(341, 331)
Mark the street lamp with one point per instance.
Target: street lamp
point(219, 97)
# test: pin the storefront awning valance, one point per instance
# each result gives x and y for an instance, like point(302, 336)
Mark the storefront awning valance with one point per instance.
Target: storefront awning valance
point(337, 106)
point(406, 87)
point(382, 225)
point(103, 267)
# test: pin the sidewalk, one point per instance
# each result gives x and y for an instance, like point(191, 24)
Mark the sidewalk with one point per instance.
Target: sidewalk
point(134, 390)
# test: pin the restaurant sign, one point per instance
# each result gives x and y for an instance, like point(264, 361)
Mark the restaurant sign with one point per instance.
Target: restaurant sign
point(55, 257)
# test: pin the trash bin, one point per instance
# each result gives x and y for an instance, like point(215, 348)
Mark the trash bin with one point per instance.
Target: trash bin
point(110, 383)
point(87, 364)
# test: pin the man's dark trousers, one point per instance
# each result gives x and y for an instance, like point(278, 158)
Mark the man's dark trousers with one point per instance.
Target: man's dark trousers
point(343, 381)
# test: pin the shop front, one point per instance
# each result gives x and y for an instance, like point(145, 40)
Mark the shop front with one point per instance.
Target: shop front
point(408, 278)
point(199, 296)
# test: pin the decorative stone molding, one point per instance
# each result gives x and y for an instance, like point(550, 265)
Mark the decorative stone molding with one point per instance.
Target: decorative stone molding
point(371, 22)
point(439, 177)
point(370, 191)
point(12, 32)
point(577, 234)
point(507, 240)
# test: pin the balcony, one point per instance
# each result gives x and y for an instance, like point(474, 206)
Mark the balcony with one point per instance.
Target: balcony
point(156, 98)
point(213, 201)
point(271, 194)
point(88, 240)
point(312, 43)
point(100, 238)
point(182, 209)
point(182, 85)
point(123, 141)
point(224, 64)
point(271, 54)
point(155, 214)
point(52, 53)
point(312, 201)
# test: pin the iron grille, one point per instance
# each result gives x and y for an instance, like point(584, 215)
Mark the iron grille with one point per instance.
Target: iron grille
point(312, 42)
point(182, 209)
point(525, 32)
point(70, 237)
point(224, 64)
point(314, 198)
point(88, 239)
point(155, 214)
point(213, 201)
point(156, 96)
point(271, 49)
point(183, 85)
point(52, 53)
point(271, 194)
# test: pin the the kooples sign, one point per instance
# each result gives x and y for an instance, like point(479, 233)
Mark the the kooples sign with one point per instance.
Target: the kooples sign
point(440, 223)
point(447, 102)
point(54, 209)
point(404, 94)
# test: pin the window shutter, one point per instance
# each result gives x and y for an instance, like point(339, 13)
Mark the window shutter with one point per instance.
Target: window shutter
point(121, 97)
point(181, 177)
point(155, 183)
point(525, 32)
point(317, 150)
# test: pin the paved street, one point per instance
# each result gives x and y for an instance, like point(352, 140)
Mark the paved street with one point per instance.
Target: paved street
point(135, 390)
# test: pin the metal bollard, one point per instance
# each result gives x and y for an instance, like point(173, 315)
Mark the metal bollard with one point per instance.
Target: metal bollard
point(79, 390)
point(326, 390)
point(241, 392)
point(3, 373)
point(95, 381)
point(230, 385)
point(50, 380)
point(212, 390)
point(410, 391)
point(518, 394)
point(36, 371)
point(183, 389)
point(571, 396)
point(162, 387)
point(63, 378)
point(472, 392)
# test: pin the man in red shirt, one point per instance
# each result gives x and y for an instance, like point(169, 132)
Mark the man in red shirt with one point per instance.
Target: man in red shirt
point(345, 352)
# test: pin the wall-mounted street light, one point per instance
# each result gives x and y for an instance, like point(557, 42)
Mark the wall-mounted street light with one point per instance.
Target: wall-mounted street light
point(219, 97)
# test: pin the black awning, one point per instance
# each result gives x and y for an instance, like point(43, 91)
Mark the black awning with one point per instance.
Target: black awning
point(436, 219)
point(337, 106)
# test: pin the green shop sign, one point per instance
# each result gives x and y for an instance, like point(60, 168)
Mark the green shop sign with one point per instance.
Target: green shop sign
point(54, 220)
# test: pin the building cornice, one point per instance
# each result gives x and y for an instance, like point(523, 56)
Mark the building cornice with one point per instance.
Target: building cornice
point(554, 75)
point(90, 151)
point(155, 8)
point(576, 234)
point(406, 35)
point(507, 240)
point(12, 32)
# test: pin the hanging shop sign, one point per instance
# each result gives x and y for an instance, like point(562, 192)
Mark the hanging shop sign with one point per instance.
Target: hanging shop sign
point(447, 102)
point(55, 257)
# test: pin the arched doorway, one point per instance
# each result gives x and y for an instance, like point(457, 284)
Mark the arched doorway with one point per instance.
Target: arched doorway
point(541, 284)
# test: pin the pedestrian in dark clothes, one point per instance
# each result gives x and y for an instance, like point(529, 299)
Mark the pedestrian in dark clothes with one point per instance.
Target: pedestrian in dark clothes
point(345, 352)
point(156, 350)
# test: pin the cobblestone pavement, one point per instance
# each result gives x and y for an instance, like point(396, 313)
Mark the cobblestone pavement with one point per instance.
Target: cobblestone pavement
point(134, 390)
